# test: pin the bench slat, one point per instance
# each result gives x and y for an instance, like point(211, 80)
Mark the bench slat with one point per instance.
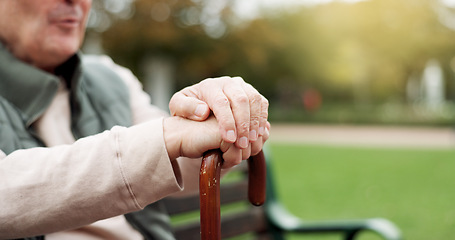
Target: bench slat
point(245, 222)
point(236, 224)
point(230, 193)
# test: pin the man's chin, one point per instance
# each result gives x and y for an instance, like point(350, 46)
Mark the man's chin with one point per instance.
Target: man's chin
point(50, 61)
point(63, 44)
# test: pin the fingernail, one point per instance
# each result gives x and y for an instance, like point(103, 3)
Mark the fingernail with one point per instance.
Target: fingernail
point(253, 135)
point(243, 142)
point(200, 110)
point(230, 135)
point(261, 131)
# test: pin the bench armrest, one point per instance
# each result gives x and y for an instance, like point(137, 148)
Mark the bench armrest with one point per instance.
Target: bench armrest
point(280, 218)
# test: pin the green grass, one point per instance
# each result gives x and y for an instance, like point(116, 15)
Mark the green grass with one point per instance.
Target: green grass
point(378, 114)
point(414, 188)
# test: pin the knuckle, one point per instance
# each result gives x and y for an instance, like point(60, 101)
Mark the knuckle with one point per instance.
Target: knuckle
point(263, 118)
point(244, 127)
point(265, 108)
point(255, 120)
point(264, 113)
point(207, 80)
point(223, 78)
point(206, 83)
point(241, 99)
point(256, 99)
point(221, 101)
point(238, 79)
point(265, 102)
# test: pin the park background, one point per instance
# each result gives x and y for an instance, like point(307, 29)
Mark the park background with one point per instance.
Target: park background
point(362, 93)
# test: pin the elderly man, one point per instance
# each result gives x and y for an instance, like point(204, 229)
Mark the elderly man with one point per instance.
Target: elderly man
point(80, 144)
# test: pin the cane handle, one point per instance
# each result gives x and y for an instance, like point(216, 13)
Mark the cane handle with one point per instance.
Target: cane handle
point(209, 190)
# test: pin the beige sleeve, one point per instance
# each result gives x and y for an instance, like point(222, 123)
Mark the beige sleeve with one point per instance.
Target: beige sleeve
point(43, 190)
point(143, 110)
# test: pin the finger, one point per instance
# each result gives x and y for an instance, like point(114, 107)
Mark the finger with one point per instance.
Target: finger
point(232, 157)
point(266, 134)
point(224, 147)
point(246, 152)
point(219, 103)
point(256, 146)
point(222, 110)
point(255, 110)
point(263, 124)
point(240, 106)
point(188, 107)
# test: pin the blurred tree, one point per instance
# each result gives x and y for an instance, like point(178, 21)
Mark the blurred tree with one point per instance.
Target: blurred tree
point(105, 12)
point(183, 31)
point(364, 52)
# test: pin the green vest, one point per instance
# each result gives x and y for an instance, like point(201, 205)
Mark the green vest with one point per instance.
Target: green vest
point(99, 100)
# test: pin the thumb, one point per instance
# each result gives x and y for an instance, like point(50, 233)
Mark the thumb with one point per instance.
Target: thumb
point(188, 107)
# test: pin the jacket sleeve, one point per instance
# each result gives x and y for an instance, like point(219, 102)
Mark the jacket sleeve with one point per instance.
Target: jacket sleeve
point(143, 110)
point(44, 190)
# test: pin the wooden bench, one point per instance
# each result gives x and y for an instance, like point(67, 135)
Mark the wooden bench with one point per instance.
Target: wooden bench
point(270, 221)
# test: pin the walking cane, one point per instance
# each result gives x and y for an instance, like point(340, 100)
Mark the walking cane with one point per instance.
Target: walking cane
point(209, 190)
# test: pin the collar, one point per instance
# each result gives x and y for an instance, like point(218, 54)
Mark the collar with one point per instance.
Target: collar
point(30, 89)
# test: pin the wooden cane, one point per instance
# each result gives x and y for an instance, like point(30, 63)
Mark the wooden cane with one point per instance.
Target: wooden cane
point(209, 190)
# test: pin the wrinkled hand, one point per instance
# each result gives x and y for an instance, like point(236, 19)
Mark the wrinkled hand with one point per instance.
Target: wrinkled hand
point(188, 138)
point(240, 110)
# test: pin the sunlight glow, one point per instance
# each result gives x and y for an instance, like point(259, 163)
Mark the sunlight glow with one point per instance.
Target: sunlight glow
point(251, 9)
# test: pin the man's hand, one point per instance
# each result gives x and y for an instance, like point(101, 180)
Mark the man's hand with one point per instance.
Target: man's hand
point(188, 138)
point(240, 110)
